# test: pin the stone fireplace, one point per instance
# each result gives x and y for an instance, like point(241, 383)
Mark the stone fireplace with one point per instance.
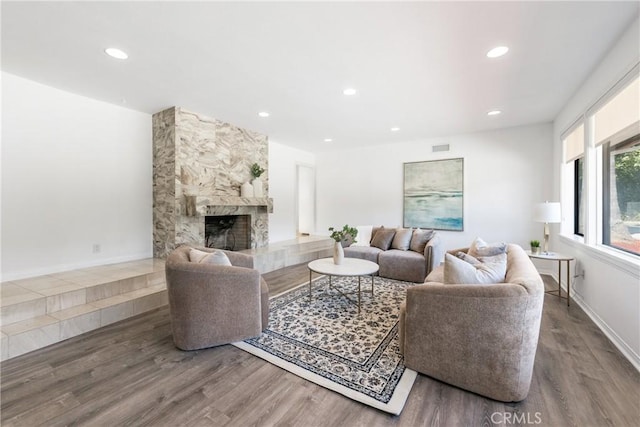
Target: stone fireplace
point(199, 164)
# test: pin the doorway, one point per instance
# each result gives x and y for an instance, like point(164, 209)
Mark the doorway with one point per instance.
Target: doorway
point(306, 199)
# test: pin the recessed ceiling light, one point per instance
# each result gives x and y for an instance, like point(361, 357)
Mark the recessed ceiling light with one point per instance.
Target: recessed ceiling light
point(494, 112)
point(349, 91)
point(328, 140)
point(263, 114)
point(497, 51)
point(116, 53)
point(395, 129)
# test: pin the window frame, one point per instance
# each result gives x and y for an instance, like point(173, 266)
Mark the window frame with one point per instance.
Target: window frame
point(619, 142)
point(578, 195)
point(570, 161)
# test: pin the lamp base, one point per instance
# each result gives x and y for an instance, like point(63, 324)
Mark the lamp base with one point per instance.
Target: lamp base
point(545, 247)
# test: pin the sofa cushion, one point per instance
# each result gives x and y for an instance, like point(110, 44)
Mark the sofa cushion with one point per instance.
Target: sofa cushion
point(215, 257)
point(374, 230)
point(196, 255)
point(369, 253)
point(457, 271)
point(500, 258)
point(408, 266)
point(383, 238)
point(419, 239)
point(481, 248)
point(402, 239)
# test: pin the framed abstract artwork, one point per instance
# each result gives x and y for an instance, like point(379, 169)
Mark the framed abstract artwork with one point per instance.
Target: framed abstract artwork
point(433, 194)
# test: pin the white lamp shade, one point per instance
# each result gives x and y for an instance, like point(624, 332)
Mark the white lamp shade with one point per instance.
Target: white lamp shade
point(547, 212)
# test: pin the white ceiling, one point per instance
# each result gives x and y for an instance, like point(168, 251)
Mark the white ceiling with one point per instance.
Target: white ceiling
point(419, 66)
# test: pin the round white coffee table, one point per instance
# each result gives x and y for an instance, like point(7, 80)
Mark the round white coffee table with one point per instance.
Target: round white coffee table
point(349, 267)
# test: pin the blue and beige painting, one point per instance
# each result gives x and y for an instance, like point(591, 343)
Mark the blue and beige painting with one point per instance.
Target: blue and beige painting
point(433, 194)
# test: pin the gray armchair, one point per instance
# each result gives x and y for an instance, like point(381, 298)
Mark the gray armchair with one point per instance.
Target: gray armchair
point(481, 338)
point(212, 305)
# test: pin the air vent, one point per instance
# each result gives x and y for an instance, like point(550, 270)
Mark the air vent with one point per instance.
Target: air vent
point(443, 147)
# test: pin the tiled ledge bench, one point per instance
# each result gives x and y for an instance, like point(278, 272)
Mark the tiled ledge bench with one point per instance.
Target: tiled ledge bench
point(41, 311)
point(291, 252)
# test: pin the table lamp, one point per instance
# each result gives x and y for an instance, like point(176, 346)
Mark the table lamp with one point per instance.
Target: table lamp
point(547, 212)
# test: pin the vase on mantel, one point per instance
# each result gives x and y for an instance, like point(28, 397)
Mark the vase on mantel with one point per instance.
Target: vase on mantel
point(246, 190)
point(338, 253)
point(257, 187)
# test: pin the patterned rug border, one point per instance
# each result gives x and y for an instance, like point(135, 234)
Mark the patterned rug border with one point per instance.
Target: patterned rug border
point(395, 404)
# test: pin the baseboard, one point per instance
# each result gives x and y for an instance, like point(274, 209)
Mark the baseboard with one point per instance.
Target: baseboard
point(25, 274)
point(615, 339)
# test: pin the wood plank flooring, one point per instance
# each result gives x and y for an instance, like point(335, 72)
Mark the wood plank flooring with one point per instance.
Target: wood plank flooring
point(130, 373)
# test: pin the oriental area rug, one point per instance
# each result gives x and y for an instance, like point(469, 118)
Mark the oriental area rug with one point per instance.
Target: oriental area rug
point(327, 342)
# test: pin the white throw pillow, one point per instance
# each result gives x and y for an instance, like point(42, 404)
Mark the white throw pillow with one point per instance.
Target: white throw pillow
point(458, 271)
point(215, 257)
point(480, 248)
point(468, 258)
point(364, 235)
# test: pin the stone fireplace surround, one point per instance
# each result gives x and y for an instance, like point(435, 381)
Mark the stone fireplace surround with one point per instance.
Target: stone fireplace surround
point(199, 164)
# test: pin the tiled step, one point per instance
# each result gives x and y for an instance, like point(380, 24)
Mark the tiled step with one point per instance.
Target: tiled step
point(291, 252)
point(40, 311)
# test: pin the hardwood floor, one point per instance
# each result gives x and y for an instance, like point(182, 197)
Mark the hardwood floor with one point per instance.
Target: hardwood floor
point(130, 373)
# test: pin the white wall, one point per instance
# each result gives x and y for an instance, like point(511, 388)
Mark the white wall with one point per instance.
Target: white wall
point(282, 188)
point(505, 173)
point(75, 172)
point(610, 290)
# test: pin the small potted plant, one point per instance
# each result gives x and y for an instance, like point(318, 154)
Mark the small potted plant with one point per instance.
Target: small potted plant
point(535, 247)
point(256, 171)
point(343, 237)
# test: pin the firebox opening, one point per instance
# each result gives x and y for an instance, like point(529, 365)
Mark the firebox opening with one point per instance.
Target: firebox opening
point(230, 232)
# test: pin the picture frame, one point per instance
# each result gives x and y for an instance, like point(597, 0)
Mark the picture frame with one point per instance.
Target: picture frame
point(433, 194)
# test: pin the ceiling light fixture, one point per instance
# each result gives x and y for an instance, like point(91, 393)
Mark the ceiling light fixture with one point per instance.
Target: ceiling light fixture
point(328, 140)
point(116, 53)
point(263, 114)
point(497, 51)
point(395, 129)
point(494, 112)
point(349, 91)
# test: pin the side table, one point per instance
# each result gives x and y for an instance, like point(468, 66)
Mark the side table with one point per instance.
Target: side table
point(555, 256)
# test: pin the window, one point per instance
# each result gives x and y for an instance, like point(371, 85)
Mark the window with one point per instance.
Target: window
point(601, 176)
point(616, 134)
point(574, 154)
point(621, 184)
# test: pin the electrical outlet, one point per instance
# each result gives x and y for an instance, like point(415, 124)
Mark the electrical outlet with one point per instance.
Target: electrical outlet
point(96, 248)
